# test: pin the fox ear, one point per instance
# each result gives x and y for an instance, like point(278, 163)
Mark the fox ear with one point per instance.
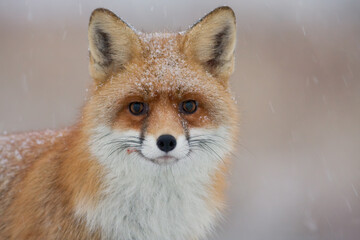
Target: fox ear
point(211, 42)
point(112, 44)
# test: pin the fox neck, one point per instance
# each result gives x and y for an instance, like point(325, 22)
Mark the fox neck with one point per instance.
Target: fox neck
point(141, 200)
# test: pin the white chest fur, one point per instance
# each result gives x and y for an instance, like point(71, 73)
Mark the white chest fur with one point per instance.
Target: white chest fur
point(145, 201)
point(159, 208)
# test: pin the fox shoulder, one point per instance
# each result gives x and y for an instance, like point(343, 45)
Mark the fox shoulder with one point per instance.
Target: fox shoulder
point(17, 154)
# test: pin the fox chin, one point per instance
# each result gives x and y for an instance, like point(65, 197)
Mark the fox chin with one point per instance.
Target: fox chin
point(148, 158)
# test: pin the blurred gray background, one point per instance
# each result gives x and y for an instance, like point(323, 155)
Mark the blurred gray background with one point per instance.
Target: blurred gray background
point(297, 82)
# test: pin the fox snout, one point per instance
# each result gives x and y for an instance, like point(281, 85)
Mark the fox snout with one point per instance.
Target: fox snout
point(164, 149)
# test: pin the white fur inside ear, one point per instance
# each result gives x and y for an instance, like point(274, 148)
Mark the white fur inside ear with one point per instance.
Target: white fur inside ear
point(211, 41)
point(144, 200)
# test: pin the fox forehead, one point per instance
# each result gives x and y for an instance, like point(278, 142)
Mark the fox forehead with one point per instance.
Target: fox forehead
point(164, 69)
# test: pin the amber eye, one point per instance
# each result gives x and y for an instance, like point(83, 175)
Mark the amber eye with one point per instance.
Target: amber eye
point(137, 108)
point(189, 106)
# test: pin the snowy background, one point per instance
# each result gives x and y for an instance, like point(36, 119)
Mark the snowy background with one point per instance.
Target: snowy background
point(297, 82)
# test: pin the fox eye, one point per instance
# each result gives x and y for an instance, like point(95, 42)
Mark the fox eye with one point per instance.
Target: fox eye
point(189, 106)
point(137, 108)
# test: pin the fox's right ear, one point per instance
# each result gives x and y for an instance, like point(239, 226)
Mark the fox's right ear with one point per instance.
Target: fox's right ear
point(112, 44)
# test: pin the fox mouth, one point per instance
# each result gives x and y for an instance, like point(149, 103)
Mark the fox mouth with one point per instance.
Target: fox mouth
point(162, 160)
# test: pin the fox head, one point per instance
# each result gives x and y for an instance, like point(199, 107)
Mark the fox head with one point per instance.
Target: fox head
point(161, 99)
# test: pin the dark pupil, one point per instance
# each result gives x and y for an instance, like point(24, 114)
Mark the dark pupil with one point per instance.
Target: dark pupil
point(189, 106)
point(136, 107)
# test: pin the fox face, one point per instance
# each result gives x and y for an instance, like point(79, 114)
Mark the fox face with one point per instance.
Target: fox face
point(165, 96)
point(162, 122)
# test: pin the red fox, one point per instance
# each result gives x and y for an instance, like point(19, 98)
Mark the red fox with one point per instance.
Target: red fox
point(148, 158)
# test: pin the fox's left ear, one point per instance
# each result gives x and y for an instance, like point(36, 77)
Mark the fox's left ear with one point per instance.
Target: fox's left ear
point(211, 42)
point(112, 44)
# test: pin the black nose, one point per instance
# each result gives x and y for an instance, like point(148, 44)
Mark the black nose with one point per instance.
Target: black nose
point(166, 143)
